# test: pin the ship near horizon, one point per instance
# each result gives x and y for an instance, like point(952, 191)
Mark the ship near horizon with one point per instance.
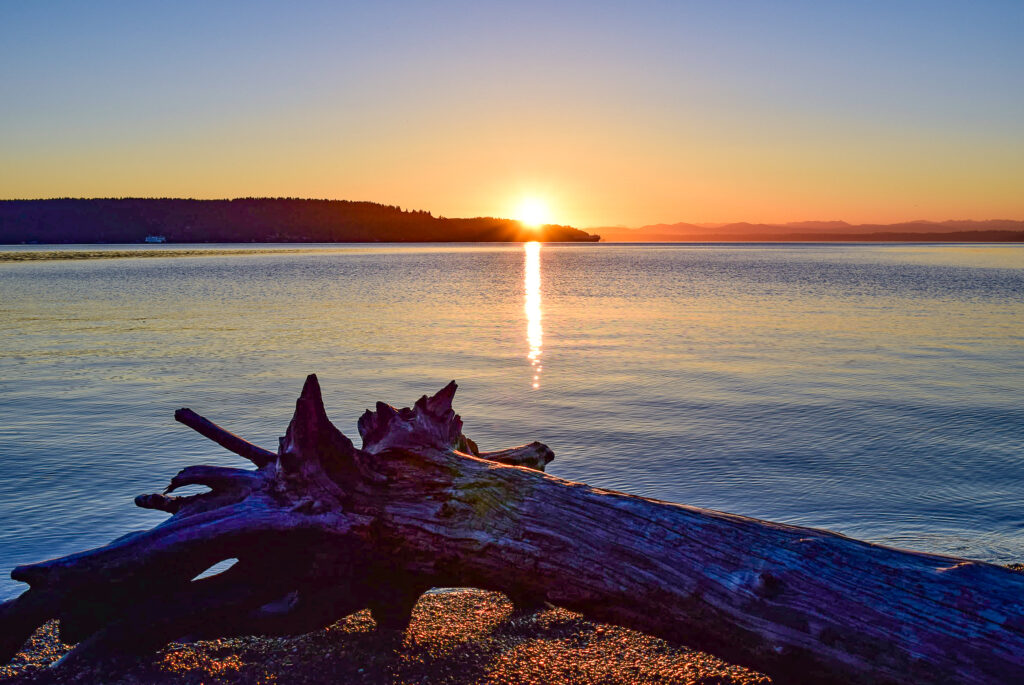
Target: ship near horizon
point(512, 343)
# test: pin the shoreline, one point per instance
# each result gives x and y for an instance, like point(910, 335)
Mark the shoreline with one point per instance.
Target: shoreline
point(9, 256)
point(77, 255)
point(456, 638)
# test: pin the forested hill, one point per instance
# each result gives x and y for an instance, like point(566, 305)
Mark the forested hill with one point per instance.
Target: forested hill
point(130, 220)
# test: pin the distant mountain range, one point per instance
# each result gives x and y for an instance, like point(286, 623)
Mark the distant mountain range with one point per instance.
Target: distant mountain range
point(998, 230)
point(243, 220)
point(284, 220)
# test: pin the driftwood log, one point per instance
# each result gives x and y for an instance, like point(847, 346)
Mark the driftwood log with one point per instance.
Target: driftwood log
point(321, 529)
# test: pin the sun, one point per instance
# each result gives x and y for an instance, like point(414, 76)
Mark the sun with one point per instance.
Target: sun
point(533, 212)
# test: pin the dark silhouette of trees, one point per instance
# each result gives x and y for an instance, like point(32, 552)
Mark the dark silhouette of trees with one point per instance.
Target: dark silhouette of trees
point(250, 219)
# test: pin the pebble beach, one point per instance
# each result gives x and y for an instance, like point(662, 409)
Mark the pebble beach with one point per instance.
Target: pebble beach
point(455, 638)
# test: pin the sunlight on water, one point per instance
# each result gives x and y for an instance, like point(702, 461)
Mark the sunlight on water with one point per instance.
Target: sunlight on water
point(534, 330)
point(871, 389)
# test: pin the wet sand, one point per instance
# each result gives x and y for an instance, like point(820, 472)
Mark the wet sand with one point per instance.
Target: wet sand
point(75, 255)
point(456, 638)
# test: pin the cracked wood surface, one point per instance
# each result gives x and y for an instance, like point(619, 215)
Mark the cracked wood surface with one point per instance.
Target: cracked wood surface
point(322, 529)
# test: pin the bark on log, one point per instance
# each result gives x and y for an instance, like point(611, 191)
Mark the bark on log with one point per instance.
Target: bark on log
point(322, 529)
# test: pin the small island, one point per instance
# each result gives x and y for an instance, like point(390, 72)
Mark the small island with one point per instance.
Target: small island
point(252, 220)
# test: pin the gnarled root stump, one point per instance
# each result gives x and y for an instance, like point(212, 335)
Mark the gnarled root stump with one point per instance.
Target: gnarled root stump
point(321, 529)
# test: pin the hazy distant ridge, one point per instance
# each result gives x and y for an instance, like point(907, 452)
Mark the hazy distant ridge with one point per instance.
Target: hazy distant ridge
point(130, 220)
point(958, 230)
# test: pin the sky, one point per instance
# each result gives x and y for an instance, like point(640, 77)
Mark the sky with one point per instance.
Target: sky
point(605, 113)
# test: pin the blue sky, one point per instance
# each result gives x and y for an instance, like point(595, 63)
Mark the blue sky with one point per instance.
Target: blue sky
point(613, 113)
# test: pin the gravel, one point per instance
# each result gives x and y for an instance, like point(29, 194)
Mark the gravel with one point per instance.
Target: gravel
point(456, 638)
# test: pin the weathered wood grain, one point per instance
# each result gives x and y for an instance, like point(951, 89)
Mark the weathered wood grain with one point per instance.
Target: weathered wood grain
point(325, 528)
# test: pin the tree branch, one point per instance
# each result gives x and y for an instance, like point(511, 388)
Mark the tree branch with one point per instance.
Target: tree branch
point(229, 441)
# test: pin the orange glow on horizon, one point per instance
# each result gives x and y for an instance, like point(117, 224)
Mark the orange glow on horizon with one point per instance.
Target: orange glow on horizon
point(533, 212)
point(575, 115)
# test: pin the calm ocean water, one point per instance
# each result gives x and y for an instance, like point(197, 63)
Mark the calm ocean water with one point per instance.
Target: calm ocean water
point(876, 390)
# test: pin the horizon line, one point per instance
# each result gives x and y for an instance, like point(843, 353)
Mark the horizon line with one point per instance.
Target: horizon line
point(709, 225)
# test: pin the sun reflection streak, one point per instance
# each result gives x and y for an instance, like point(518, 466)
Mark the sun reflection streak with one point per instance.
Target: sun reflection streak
point(534, 330)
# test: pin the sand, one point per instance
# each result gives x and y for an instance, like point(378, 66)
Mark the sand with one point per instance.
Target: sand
point(459, 637)
point(75, 255)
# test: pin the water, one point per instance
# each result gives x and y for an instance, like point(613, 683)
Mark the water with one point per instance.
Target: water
point(871, 389)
